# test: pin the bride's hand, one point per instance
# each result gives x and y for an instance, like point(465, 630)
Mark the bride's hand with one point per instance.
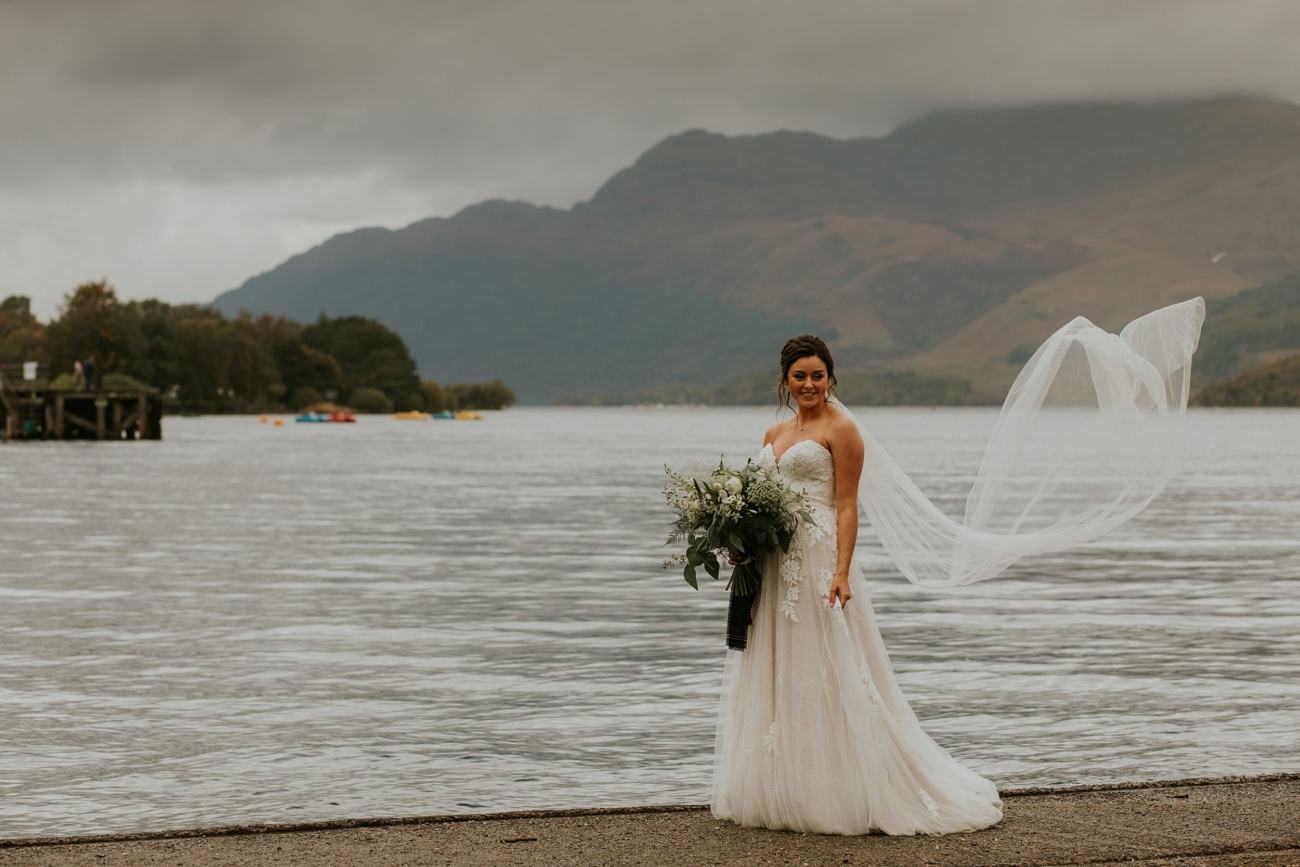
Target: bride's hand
point(840, 590)
point(734, 560)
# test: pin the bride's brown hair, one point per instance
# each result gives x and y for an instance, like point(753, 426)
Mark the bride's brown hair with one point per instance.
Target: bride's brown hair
point(803, 346)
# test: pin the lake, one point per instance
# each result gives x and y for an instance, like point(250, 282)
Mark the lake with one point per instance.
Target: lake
point(245, 623)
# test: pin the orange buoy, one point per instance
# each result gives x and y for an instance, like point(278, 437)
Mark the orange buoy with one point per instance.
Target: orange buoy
point(262, 419)
point(277, 422)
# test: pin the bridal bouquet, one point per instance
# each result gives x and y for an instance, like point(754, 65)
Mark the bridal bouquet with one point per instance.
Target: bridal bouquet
point(745, 513)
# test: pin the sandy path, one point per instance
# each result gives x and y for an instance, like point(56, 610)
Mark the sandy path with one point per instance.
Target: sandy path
point(1255, 823)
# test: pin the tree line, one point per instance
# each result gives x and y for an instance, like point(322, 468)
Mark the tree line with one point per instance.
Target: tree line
point(204, 361)
point(856, 388)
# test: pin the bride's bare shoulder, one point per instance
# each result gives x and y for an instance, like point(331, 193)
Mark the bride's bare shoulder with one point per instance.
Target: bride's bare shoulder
point(844, 430)
point(773, 432)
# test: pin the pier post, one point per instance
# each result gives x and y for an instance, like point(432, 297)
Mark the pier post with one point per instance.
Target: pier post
point(37, 411)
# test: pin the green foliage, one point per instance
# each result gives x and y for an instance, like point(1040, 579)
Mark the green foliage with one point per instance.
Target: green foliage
point(366, 399)
point(303, 397)
point(756, 389)
point(435, 399)
point(93, 324)
point(112, 382)
point(307, 369)
point(1021, 354)
point(668, 395)
point(1274, 384)
point(122, 382)
point(205, 361)
point(1242, 327)
point(22, 338)
point(202, 360)
point(483, 395)
point(856, 388)
point(745, 513)
point(369, 356)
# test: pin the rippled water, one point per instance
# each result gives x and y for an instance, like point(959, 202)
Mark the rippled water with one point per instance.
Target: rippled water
point(250, 623)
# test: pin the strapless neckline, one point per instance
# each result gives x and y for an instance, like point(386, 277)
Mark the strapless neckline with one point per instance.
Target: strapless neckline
point(777, 460)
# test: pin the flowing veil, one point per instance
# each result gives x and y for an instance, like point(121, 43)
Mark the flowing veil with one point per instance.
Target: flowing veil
point(1089, 435)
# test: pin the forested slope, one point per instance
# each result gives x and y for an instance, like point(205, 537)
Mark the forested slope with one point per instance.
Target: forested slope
point(945, 248)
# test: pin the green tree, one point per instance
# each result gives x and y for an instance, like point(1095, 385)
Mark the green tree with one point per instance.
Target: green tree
point(435, 400)
point(482, 395)
point(92, 322)
point(305, 367)
point(204, 361)
point(22, 337)
point(208, 362)
point(370, 355)
point(370, 400)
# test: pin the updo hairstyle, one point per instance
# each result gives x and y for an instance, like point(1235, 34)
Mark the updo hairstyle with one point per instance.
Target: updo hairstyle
point(803, 346)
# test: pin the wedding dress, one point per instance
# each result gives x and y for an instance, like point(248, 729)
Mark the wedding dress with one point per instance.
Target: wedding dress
point(814, 734)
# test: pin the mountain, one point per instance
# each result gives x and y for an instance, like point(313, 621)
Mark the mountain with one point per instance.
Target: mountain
point(951, 246)
point(1276, 383)
point(1254, 326)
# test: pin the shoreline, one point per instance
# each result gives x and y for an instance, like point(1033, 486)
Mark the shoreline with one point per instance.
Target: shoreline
point(1234, 821)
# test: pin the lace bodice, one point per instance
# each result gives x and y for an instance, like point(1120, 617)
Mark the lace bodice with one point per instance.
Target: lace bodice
point(809, 467)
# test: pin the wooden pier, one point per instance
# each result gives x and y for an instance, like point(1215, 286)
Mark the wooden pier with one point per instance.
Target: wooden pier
point(31, 409)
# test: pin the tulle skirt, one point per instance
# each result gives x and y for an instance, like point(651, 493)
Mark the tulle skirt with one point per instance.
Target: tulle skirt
point(814, 734)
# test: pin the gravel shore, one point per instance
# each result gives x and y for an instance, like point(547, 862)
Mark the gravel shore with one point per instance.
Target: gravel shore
point(1236, 822)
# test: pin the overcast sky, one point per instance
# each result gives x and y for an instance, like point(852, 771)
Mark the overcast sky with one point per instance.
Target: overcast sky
point(177, 148)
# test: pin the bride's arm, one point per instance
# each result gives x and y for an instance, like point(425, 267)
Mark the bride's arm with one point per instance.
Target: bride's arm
point(846, 446)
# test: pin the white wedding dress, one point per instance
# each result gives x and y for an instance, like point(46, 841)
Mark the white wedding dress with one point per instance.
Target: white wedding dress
point(814, 734)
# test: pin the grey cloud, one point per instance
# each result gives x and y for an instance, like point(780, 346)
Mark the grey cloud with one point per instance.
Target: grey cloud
point(403, 109)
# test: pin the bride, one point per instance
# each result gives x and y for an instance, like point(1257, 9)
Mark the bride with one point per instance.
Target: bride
point(814, 734)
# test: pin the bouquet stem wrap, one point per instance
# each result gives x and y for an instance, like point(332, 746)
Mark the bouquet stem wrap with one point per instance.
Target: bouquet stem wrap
point(739, 616)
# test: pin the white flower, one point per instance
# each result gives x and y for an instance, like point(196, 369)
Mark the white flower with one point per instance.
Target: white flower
point(929, 803)
point(772, 740)
point(734, 485)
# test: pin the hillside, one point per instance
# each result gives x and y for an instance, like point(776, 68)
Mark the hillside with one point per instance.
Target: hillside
point(1249, 328)
point(1274, 384)
point(945, 248)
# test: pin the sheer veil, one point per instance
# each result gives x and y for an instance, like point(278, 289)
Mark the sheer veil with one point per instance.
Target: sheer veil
point(1089, 435)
